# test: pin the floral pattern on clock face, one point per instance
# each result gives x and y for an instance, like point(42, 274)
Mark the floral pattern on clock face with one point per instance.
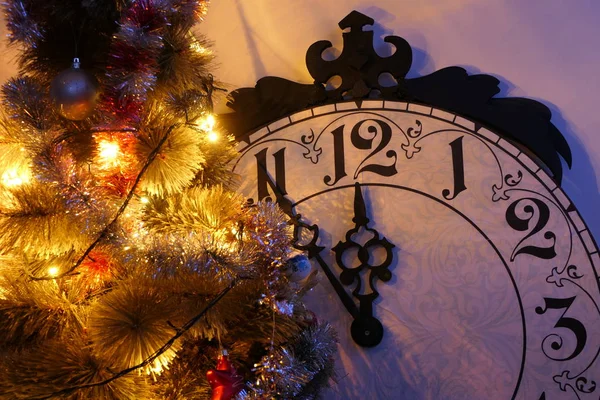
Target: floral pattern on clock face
point(493, 291)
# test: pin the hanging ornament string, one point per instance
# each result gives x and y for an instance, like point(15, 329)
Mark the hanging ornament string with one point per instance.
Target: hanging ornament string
point(272, 350)
point(224, 380)
point(266, 366)
point(76, 38)
point(273, 334)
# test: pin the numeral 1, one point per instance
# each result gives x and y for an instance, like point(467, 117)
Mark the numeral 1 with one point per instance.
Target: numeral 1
point(338, 156)
point(458, 166)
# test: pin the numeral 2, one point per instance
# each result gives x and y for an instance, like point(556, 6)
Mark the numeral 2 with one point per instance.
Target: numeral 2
point(522, 224)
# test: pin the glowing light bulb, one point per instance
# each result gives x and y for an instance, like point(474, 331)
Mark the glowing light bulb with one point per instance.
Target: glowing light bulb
point(208, 124)
point(53, 271)
point(144, 200)
point(108, 152)
point(14, 177)
point(212, 136)
point(156, 367)
point(108, 149)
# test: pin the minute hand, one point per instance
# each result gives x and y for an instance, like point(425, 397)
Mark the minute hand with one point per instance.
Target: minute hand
point(311, 248)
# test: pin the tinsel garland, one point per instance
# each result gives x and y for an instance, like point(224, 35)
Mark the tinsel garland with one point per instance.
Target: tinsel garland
point(297, 369)
point(133, 59)
point(138, 56)
point(21, 26)
point(25, 100)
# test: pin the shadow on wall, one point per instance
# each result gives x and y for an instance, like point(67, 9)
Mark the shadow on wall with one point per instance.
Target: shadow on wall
point(581, 183)
point(422, 64)
point(255, 40)
point(251, 45)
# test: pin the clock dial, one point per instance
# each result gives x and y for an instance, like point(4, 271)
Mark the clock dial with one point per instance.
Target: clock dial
point(476, 266)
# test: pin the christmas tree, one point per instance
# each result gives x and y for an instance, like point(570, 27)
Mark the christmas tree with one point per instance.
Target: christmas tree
point(129, 267)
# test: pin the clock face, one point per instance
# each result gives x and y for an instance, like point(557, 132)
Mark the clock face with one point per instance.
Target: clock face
point(453, 266)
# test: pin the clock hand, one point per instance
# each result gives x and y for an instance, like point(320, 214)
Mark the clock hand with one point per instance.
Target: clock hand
point(311, 248)
point(366, 330)
point(337, 286)
point(360, 209)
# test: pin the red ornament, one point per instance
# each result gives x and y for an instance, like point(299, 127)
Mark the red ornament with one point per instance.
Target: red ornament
point(98, 263)
point(224, 380)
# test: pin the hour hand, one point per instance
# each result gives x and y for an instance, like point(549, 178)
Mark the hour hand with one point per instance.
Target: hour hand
point(366, 329)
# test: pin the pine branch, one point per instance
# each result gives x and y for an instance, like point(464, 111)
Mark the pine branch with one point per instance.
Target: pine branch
point(121, 210)
point(180, 332)
point(196, 209)
point(179, 162)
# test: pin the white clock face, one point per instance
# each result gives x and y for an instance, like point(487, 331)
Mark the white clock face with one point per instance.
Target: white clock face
point(483, 274)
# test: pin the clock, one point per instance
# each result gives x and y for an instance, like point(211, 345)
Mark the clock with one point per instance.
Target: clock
point(453, 264)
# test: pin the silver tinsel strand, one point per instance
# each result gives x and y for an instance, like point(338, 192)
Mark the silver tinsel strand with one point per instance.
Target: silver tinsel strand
point(298, 370)
point(21, 26)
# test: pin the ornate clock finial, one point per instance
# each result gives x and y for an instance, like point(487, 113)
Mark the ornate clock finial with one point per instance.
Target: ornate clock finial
point(359, 65)
point(355, 21)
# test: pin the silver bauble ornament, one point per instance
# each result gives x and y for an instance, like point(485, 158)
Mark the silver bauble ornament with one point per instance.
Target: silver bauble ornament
point(298, 268)
point(74, 92)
